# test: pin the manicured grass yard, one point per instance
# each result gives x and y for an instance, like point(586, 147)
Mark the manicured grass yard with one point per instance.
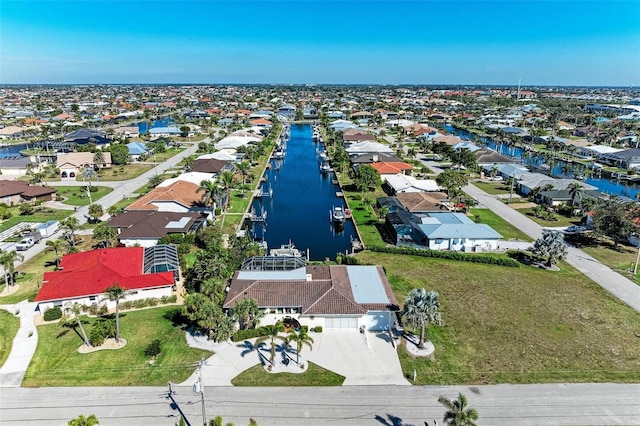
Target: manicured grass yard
point(58, 363)
point(10, 325)
point(314, 376)
point(493, 188)
point(500, 225)
point(561, 220)
point(41, 216)
point(77, 195)
point(517, 325)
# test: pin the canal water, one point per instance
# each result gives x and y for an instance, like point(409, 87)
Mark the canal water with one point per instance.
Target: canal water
point(559, 168)
point(299, 210)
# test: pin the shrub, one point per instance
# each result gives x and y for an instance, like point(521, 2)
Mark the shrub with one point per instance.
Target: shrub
point(184, 248)
point(101, 330)
point(246, 334)
point(304, 328)
point(317, 329)
point(103, 310)
point(450, 255)
point(153, 349)
point(152, 301)
point(126, 305)
point(52, 314)
point(140, 303)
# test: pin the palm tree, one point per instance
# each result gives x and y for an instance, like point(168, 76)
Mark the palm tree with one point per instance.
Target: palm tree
point(76, 309)
point(56, 246)
point(300, 338)
point(421, 307)
point(98, 158)
point(7, 260)
point(71, 224)
point(155, 180)
point(105, 234)
point(226, 182)
point(271, 333)
point(88, 174)
point(576, 191)
point(95, 211)
point(551, 245)
point(243, 168)
point(458, 414)
point(116, 293)
point(247, 312)
point(211, 194)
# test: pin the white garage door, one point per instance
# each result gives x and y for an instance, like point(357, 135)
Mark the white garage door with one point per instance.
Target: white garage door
point(341, 322)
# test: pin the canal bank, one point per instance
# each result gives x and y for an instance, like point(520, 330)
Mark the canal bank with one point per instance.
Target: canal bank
point(299, 208)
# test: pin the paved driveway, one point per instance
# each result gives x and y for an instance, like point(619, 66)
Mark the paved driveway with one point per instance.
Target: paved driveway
point(342, 351)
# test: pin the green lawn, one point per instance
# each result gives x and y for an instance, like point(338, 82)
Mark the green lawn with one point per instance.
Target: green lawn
point(9, 329)
point(620, 259)
point(517, 325)
point(561, 220)
point(42, 214)
point(77, 195)
point(314, 376)
point(493, 188)
point(120, 173)
point(507, 230)
point(125, 202)
point(58, 363)
point(164, 156)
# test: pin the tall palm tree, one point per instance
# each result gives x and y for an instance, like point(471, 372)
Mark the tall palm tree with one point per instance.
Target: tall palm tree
point(300, 338)
point(116, 293)
point(576, 191)
point(56, 246)
point(421, 307)
point(71, 224)
point(7, 260)
point(211, 194)
point(226, 182)
point(247, 312)
point(243, 168)
point(76, 309)
point(458, 414)
point(271, 333)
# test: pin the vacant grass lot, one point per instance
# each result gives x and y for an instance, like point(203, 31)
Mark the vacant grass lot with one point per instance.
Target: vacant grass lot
point(560, 220)
point(314, 376)
point(120, 173)
point(77, 195)
point(58, 363)
point(517, 325)
point(493, 188)
point(41, 215)
point(10, 325)
point(500, 225)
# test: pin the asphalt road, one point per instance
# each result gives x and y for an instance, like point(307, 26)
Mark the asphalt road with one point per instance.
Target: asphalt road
point(554, 404)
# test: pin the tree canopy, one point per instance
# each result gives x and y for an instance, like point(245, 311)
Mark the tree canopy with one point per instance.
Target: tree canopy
point(366, 178)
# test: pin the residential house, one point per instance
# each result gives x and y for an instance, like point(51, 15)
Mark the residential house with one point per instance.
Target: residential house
point(357, 135)
point(180, 196)
point(15, 192)
point(128, 131)
point(145, 227)
point(211, 165)
point(330, 296)
point(373, 157)
point(367, 147)
point(392, 168)
point(15, 166)
point(136, 150)
point(625, 159)
point(440, 231)
point(399, 183)
point(84, 277)
point(85, 136)
point(557, 197)
point(73, 163)
point(423, 202)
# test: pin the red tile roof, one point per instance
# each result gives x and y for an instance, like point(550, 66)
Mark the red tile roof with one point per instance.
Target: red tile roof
point(90, 273)
point(391, 168)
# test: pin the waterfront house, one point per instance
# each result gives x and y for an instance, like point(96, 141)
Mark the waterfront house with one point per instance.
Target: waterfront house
point(372, 157)
point(385, 168)
point(398, 183)
point(367, 147)
point(144, 228)
point(83, 277)
point(157, 132)
point(15, 166)
point(487, 156)
point(211, 166)
point(440, 231)
point(128, 131)
point(330, 296)
point(423, 202)
point(85, 136)
point(624, 159)
point(558, 197)
point(73, 163)
point(357, 135)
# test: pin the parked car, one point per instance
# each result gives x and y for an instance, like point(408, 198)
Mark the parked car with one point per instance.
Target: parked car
point(575, 229)
point(25, 244)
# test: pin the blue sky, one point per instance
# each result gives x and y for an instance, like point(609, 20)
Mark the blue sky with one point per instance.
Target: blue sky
point(422, 42)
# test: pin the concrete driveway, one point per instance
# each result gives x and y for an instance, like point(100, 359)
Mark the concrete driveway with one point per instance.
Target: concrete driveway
point(342, 351)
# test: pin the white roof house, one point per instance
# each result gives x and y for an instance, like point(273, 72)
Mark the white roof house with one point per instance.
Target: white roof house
point(403, 183)
point(366, 147)
point(235, 142)
point(193, 177)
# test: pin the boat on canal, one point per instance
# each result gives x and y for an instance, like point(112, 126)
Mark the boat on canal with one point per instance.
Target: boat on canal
point(286, 250)
point(325, 167)
point(338, 214)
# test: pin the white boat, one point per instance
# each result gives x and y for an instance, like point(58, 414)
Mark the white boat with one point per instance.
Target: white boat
point(286, 250)
point(338, 214)
point(325, 167)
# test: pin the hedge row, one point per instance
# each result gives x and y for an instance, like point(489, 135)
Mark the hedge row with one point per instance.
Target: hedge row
point(151, 301)
point(450, 255)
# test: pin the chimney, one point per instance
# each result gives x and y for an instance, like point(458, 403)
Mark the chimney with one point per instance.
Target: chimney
point(375, 158)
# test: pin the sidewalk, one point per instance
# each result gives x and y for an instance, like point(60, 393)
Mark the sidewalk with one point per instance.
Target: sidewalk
point(24, 345)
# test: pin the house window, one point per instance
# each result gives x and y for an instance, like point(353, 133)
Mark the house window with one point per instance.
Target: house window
point(93, 298)
point(438, 241)
point(456, 241)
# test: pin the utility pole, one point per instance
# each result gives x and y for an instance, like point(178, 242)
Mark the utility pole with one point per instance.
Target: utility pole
point(200, 384)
